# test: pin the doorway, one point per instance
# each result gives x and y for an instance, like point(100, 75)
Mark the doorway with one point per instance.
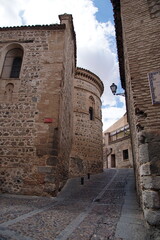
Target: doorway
point(113, 161)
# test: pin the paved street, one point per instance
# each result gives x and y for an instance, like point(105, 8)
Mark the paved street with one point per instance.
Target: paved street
point(105, 207)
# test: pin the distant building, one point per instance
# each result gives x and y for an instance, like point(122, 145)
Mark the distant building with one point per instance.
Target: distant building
point(117, 145)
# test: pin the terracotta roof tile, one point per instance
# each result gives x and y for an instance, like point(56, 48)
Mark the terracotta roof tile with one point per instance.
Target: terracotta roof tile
point(35, 27)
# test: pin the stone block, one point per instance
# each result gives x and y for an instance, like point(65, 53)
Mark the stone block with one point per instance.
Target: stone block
point(153, 149)
point(50, 179)
point(150, 182)
point(52, 161)
point(41, 152)
point(155, 165)
point(45, 169)
point(152, 216)
point(145, 169)
point(143, 153)
point(156, 182)
point(152, 136)
point(146, 182)
point(151, 199)
point(50, 189)
point(53, 152)
point(141, 138)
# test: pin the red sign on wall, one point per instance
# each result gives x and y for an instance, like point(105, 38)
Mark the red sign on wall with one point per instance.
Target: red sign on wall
point(48, 120)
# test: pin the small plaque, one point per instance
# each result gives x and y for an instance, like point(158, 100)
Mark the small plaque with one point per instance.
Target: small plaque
point(48, 120)
point(154, 80)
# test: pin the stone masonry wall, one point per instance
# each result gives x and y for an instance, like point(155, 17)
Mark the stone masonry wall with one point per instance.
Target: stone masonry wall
point(86, 156)
point(141, 28)
point(29, 124)
point(66, 100)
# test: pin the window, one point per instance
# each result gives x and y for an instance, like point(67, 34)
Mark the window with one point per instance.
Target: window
point(12, 63)
point(91, 113)
point(91, 108)
point(16, 67)
point(113, 160)
point(125, 154)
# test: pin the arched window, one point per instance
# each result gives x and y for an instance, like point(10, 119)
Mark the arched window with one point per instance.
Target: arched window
point(91, 108)
point(16, 67)
point(91, 117)
point(12, 63)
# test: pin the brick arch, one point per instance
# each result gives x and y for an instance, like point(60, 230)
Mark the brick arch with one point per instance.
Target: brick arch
point(9, 92)
point(91, 100)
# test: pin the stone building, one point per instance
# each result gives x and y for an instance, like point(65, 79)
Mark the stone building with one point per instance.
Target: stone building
point(138, 32)
point(117, 150)
point(86, 155)
point(37, 108)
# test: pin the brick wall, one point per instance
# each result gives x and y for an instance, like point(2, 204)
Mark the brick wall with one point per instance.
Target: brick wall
point(141, 28)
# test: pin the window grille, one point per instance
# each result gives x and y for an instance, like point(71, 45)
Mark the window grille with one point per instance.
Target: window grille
point(125, 154)
point(16, 67)
point(12, 63)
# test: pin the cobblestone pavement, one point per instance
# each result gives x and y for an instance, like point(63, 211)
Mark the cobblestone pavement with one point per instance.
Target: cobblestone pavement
point(93, 211)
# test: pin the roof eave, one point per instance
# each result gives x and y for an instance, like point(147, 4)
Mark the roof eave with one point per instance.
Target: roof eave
point(119, 39)
point(35, 27)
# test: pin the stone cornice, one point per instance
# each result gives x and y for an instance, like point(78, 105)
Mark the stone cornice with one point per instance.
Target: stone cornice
point(90, 76)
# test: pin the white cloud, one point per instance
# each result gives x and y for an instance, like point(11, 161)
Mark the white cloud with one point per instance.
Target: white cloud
point(113, 113)
point(95, 41)
point(9, 12)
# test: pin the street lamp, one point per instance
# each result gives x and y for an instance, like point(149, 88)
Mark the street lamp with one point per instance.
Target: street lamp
point(113, 88)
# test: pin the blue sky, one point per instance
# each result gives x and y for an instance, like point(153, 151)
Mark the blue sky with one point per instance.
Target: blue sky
point(105, 12)
point(95, 34)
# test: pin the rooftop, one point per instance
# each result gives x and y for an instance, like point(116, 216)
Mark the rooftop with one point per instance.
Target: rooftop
point(90, 75)
point(117, 125)
point(35, 27)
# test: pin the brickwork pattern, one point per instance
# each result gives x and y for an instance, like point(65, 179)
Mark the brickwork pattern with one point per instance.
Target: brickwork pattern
point(141, 27)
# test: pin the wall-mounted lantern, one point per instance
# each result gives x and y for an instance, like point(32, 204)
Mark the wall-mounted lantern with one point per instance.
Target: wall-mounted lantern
point(113, 88)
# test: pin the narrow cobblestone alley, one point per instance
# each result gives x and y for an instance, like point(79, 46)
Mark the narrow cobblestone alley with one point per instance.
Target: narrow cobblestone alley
point(105, 207)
